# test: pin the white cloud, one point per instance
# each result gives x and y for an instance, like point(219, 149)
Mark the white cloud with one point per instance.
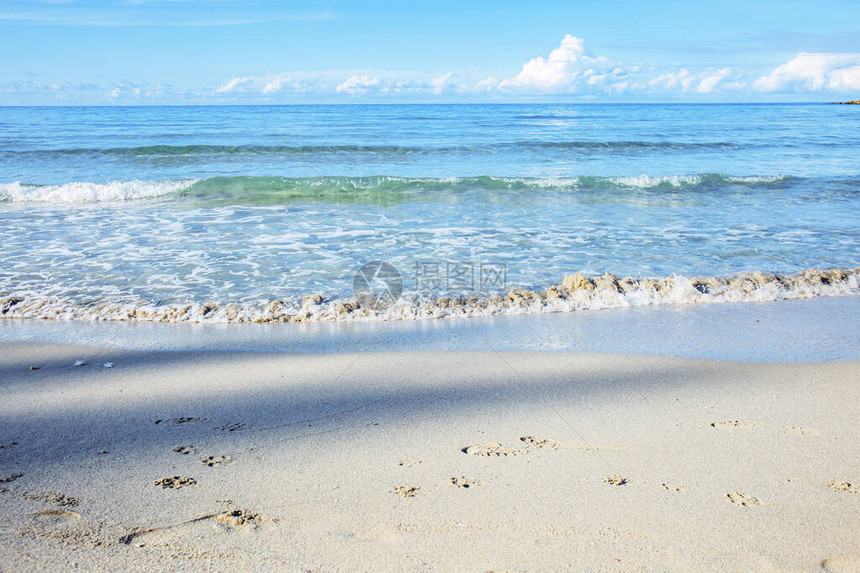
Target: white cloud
point(567, 69)
point(35, 86)
point(487, 84)
point(814, 72)
point(685, 81)
point(560, 72)
point(623, 86)
point(275, 85)
point(235, 84)
point(440, 84)
point(597, 79)
point(682, 79)
point(845, 79)
point(358, 84)
point(710, 82)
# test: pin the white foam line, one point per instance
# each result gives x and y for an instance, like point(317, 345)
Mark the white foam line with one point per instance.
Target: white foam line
point(575, 293)
point(84, 192)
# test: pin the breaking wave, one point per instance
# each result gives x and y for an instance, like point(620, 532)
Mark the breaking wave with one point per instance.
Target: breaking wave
point(82, 192)
point(269, 190)
point(576, 292)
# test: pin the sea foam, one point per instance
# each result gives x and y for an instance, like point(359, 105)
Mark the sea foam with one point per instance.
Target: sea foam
point(576, 292)
point(84, 192)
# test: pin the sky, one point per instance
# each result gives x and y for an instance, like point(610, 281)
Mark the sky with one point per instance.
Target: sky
point(155, 52)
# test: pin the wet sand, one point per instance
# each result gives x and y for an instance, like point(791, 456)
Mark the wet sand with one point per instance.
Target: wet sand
point(431, 461)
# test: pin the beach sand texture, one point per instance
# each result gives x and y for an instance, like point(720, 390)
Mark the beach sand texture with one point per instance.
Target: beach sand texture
point(469, 461)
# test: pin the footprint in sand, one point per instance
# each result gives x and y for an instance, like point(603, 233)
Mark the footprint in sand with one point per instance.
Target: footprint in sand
point(11, 477)
point(183, 420)
point(57, 515)
point(213, 461)
point(68, 528)
point(540, 443)
point(232, 427)
point(238, 518)
point(230, 519)
point(497, 450)
point(616, 480)
point(842, 564)
point(464, 482)
point(544, 444)
point(736, 424)
point(532, 443)
point(843, 486)
point(185, 450)
point(406, 490)
point(175, 482)
point(52, 497)
point(800, 431)
point(492, 450)
point(742, 499)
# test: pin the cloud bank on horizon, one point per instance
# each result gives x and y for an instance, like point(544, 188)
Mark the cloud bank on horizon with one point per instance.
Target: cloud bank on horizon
point(569, 69)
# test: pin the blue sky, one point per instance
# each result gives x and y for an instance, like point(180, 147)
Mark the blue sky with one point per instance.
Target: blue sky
point(245, 51)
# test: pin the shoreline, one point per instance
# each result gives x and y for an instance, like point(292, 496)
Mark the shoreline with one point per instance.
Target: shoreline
point(672, 438)
point(782, 331)
point(575, 293)
point(438, 461)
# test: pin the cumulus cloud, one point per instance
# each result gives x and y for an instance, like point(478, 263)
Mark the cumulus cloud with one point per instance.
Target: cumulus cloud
point(487, 84)
point(709, 83)
point(358, 84)
point(682, 79)
point(441, 84)
point(275, 85)
point(567, 69)
point(235, 84)
point(129, 90)
point(814, 72)
point(561, 71)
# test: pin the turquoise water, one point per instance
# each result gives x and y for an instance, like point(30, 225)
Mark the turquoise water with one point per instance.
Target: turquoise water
point(103, 210)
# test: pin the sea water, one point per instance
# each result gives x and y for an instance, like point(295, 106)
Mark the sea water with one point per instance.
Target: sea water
point(266, 213)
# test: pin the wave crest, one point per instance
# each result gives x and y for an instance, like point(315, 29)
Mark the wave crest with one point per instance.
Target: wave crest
point(83, 192)
point(272, 189)
point(575, 293)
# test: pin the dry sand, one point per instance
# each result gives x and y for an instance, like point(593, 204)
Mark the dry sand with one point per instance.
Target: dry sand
point(468, 461)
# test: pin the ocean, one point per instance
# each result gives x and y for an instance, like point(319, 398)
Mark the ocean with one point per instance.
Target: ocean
point(380, 212)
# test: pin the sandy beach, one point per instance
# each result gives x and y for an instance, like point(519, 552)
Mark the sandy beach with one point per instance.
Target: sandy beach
point(390, 286)
point(424, 461)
